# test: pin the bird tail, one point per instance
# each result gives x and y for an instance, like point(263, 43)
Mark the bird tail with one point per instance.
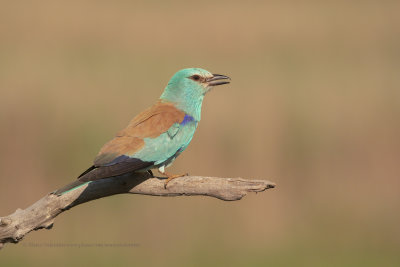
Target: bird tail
point(69, 187)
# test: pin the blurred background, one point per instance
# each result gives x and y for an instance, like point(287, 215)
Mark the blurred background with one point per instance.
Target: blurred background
point(314, 106)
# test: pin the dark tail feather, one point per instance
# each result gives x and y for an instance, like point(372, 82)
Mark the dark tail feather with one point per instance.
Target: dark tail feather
point(87, 171)
point(70, 187)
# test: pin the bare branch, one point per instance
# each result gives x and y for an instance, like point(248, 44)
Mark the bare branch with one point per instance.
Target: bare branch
point(42, 213)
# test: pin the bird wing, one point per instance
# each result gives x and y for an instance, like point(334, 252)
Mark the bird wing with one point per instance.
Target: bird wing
point(118, 155)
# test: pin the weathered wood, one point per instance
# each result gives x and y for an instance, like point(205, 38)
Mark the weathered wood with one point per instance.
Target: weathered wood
point(41, 214)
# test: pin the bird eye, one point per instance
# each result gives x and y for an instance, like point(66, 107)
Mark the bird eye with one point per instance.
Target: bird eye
point(196, 77)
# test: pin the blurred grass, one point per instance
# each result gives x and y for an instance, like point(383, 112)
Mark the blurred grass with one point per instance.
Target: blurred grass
point(313, 106)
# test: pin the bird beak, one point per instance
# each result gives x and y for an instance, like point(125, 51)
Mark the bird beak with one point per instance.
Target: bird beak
point(218, 79)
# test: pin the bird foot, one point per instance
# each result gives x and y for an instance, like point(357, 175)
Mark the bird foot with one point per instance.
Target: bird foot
point(171, 177)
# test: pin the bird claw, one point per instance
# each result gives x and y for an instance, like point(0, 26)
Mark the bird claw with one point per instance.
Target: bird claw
point(173, 177)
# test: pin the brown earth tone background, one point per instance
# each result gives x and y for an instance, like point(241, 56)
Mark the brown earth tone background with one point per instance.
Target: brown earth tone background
point(314, 106)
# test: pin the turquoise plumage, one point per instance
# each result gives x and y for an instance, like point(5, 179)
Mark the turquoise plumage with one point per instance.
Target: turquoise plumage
point(155, 137)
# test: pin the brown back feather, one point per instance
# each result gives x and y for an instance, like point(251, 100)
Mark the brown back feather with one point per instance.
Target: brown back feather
point(148, 124)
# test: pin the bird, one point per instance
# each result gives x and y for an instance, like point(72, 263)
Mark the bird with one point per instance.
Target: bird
point(158, 135)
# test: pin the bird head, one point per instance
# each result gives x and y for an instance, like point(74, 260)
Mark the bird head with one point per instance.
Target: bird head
point(196, 79)
point(186, 89)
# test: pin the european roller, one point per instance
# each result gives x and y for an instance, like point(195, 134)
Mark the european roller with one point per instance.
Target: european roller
point(158, 135)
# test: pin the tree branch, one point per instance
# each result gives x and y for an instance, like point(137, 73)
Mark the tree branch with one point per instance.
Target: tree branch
point(42, 213)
